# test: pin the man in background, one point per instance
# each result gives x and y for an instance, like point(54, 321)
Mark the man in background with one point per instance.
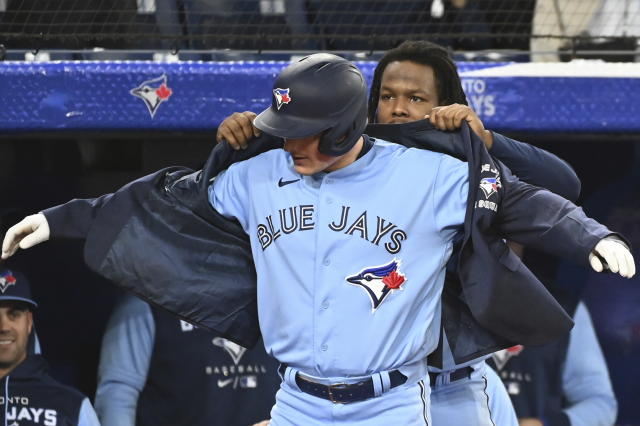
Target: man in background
point(156, 369)
point(565, 382)
point(29, 395)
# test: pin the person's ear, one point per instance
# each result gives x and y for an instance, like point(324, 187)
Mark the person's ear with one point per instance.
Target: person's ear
point(30, 320)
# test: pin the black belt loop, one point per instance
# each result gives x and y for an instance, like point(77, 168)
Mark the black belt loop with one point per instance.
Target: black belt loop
point(343, 393)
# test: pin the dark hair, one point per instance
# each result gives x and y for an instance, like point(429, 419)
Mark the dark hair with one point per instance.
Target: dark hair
point(426, 53)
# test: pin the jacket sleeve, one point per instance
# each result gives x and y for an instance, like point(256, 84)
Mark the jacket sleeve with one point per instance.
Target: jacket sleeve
point(537, 166)
point(125, 356)
point(538, 218)
point(74, 218)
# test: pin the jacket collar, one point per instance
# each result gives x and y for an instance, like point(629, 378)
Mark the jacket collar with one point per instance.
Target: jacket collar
point(33, 366)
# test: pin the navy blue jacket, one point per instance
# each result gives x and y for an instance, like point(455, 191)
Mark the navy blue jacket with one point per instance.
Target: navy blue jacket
point(489, 294)
point(35, 398)
point(185, 386)
point(159, 237)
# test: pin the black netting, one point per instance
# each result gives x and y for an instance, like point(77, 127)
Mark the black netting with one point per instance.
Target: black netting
point(313, 24)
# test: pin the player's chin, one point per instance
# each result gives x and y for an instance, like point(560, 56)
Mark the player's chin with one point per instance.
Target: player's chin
point(305, 170)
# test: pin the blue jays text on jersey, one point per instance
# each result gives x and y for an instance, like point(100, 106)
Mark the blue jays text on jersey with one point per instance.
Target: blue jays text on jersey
point(20, 411)
point(300, 218)
point(32, 397)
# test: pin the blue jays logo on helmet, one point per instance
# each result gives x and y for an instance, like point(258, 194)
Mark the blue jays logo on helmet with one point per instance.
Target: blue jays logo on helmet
point(6, 279)
point(490, 185)
point(282, 97)
point(379, 281)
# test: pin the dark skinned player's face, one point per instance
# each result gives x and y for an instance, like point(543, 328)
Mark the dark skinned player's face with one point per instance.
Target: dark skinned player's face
point(407, 92)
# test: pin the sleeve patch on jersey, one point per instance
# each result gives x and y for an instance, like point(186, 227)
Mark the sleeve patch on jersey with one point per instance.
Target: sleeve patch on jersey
point(490, 183)
point(490, 180)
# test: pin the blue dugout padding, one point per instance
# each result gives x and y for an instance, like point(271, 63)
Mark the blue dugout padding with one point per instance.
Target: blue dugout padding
point(139, 95)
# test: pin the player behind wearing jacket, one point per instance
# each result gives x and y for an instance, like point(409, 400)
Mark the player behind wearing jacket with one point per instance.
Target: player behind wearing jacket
point(29, 395)
point(419, 79)
point(349, 252)
point(157, 370)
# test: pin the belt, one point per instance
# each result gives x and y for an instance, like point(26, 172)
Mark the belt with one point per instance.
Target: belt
point(455, 375)
point(344, 393)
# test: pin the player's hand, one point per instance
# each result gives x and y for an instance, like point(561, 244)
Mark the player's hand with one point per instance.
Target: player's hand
point(530, 421)
point(450, 117)
point(263, 423)
point(238, 129)
point(27, 233)
point(617, 256)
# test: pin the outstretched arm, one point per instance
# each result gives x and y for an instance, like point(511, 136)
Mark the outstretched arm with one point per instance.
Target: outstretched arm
point(69, 220)
point(543, 220)
point(537, 166)
point(531, 164)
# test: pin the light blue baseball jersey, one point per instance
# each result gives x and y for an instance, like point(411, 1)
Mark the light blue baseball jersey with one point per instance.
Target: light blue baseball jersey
point(350, 264)
point(585, 378)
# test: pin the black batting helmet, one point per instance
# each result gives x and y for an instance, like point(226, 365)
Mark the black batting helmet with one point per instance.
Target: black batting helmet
point(320, 93)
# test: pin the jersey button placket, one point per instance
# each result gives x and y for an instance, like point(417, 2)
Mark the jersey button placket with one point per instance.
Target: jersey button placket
point(325, 236)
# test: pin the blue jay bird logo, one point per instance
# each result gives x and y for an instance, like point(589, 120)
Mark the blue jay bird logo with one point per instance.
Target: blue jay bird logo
point(153, 92)
point(490, 185)
point(234, 350)
point(282, 97)
point(503, 356)
point(379, 281)
point(6, 279)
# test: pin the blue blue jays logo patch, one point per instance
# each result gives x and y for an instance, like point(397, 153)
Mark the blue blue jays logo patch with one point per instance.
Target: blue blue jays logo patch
point(153, 93)
point(282, 97)
point(6, 279)
point(379, 281)
point(490, 185)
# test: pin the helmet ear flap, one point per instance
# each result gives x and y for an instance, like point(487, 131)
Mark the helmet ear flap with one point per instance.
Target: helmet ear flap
point(341, 138)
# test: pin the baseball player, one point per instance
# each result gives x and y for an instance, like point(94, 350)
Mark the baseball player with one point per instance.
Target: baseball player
point(405, 89)
point(30, 396)
point(565, 382)
point(350, 255)
point(158, 370)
